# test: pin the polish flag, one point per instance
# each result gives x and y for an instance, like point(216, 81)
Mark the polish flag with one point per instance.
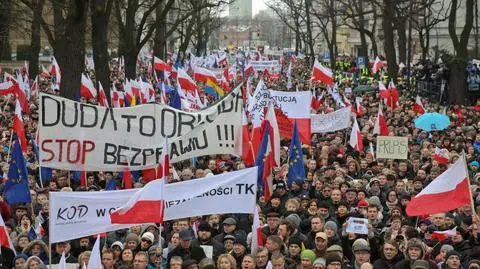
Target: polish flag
point(174, 73)
point(102, 98)
point(203, 75)
point(322, 73)
point(442, 156)
point(45, 72)
point(360, 110)
point(418, 106)
point(316, 103)
point(274, 134)
point(18, 126)
point(444, 235)
point(381, 127)
point(185, 81)
point(146, 205)
point(87, 89)
point(249, 70)
point(55, 73)
point(160, 65)
point(7, 87)
point(377, 65)
point(356, 138)
point(448, 191)
point(257, 240)
point(117, 98)
point(247, 147)
point(95, 261)
point(4, 238)
point(34, 89)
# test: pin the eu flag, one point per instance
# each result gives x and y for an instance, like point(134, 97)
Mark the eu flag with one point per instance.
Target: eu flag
point(46, 172)
point(16, 188)
point(175, 100)
point(296, 168)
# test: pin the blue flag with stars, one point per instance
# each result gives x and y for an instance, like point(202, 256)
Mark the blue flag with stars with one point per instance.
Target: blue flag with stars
point(296, 170)
point(16, 187)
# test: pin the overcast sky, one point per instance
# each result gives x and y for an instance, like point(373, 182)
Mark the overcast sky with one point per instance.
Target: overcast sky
point(258, 5)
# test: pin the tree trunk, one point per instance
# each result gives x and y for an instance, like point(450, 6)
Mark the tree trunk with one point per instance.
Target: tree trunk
point(361, 30)
point(457, 80)
point(5, 15)
point(333, 49)
point(35, 43)
point(389, 45)
point(160, 40)
point(308, 4)
point(70, 45)
point(402, 41)
point(100, 15)
point(130, 62)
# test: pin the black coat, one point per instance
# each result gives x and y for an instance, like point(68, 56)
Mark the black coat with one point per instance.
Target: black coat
point(405, 264)
point(7, 257)
point(383, 263)
point(195, 253)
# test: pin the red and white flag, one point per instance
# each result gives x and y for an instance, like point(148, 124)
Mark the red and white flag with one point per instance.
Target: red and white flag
point(274, 134)
point(257, 240)
point(7, 87)
point(322, 73)
point(87, 89)
point(444, 235)
point(418, 106)
point(377, 65)
point(185, 81)
point(18, 126)
point(249, 70)
point(448, 191)
point(146, 205)
point(56, 74)
point(356, 137)
point(381, 127)
point(160, 65)
point(360, 110)
point(442, 156)
point(4, 238)
point(102, 97)
point(34, 89)
point(203, 75)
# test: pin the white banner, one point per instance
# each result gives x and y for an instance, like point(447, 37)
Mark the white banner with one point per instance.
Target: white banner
point(262, 65)
point(78, 214)
point(295, 105)
point(78, 136)
point(331, 122)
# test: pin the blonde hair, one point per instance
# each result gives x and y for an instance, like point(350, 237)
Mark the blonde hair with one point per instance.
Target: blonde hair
point(233, 263)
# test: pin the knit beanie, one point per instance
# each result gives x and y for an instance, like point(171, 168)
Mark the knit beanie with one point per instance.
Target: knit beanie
point(308, 254)
point(331, 225)
point(332, 257)
point(446, 248)
point(132, 237)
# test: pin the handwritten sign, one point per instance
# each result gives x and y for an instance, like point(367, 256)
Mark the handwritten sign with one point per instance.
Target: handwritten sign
point(392, 147)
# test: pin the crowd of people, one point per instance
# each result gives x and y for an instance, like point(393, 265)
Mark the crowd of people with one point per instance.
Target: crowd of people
point(304, 224)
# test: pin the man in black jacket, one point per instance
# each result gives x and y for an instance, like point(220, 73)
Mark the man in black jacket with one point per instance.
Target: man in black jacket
point(205, 238)
point(186, 250)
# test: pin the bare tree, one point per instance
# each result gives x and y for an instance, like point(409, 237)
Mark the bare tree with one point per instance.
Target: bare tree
point(432, 13)
point(100, 17)
point(457, 80)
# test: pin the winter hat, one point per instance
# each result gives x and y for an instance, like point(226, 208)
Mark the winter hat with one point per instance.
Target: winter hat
point(453, 253)
point(294, 218)
point(447, 248)
point(148, 236)
point(362, 203)
point(118, 244)
point(20, 256)
point(331, 225)
point(308, 254)
point(295, 241)
point(333, 257)
point(359, 245)
point(421, 264)
point(334, 248)
point(320, 261)
point(132, 237)
point(415, 242)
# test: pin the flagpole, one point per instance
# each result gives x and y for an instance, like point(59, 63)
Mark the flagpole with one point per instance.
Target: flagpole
point(10, 145)
point(469, 187)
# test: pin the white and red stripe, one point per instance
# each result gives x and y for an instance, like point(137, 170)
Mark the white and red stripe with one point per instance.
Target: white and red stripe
point(18, 126)
point(160, 65)
point(442, 156)
point(418, 106)
point(444, 235)
point(87, 89)
point(322, 73)
point(203, 75)
point(102, 97)
point(356, 138)
point(56, 73)
point(448, 191)
point(146, 205)
point(4, 238)
point(381, 127)
point(377, 65)
point(185, 81)
point(7, 87)
point(256, 231)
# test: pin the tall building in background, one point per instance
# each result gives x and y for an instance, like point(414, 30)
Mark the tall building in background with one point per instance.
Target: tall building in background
point(240, 9)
